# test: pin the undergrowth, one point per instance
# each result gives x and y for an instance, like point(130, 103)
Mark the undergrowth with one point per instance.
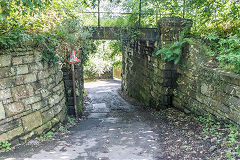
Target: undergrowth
point(226, 50)
point(227, 134)
point(62, 128)
point(5, 146)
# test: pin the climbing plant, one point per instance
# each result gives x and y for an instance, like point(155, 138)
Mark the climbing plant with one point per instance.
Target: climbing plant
point(54, 28)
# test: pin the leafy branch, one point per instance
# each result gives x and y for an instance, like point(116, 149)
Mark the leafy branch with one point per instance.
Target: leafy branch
point(173, 52)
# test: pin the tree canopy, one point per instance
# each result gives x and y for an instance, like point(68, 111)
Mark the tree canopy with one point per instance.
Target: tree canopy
point(58, 25)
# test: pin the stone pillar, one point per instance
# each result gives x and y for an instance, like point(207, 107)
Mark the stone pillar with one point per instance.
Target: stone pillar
point(68, 83)
point(166, 72)
point(146, 76)
point(171, 27)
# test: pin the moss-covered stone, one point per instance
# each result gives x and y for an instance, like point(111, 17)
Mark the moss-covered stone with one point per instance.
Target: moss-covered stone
point(31, 121)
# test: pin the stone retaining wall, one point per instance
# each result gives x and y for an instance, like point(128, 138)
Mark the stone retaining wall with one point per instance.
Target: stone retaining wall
point(202, 89)
point(32, 96)
point(194, 85)
point(145, 76)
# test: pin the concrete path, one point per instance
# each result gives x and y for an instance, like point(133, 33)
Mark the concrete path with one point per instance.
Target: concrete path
point(113, 130)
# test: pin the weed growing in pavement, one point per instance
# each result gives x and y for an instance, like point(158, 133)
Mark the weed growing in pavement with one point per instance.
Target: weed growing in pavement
point(46, 136)
point(70, 120)
point(5, 146)
point(62, 128)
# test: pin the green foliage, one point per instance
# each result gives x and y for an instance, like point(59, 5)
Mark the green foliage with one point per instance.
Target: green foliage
point(232, 135)
point(70, 120)
point(62, 128)
point(101, 60)
point(220, 16)
point(173, 52)
point(56, 27)
point(24, 7)
point(226, 50)
point(5, 146)
point(211, 125)
point(46, 136)
point(53, 28)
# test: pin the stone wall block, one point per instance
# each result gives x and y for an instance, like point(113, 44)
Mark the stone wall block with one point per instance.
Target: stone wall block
point(9, 126)
point(5, 60)
point(3, 137)
point(35, 67)
point(43, 128)
point(14, 108)
point(237, 89)
point(54, 100)
point(43, 83)
point(232, 90)
point(43, 74)
point(234, 102)
point(37, 56)
point(31, 121)
point(17, 60)
point(22, 91)
point(57, 109)
point(48, 115)
point(45, 93)
point(28, 78)
point(225, 108)
point(51, 86)
point(7, 72)
point(2, 112)
point(5, 94)
point(231, 77)
point(59, 87)
point(59, 77)
point(234, 116)
point(6, 82)
point(15, 132)
point(31, 100)
point(206, 89)
point(22, 69)
point(37, 105)
point(19, 80)
point(28, 59)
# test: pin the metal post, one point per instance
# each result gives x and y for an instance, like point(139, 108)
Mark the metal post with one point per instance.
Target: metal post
point(183, 8)
point(74, 91)
point(140, 10)
point(98, 13)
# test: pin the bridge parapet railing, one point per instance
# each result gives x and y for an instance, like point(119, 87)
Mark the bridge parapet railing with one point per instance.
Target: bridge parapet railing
point(137, 15)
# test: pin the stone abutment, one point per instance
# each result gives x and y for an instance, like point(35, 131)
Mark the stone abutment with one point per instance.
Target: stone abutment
point(192, 85)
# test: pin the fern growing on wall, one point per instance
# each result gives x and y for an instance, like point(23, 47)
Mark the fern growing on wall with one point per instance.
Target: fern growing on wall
point(173, 52)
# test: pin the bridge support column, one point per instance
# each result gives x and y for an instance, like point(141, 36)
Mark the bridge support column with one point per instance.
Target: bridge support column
point(146, 76)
